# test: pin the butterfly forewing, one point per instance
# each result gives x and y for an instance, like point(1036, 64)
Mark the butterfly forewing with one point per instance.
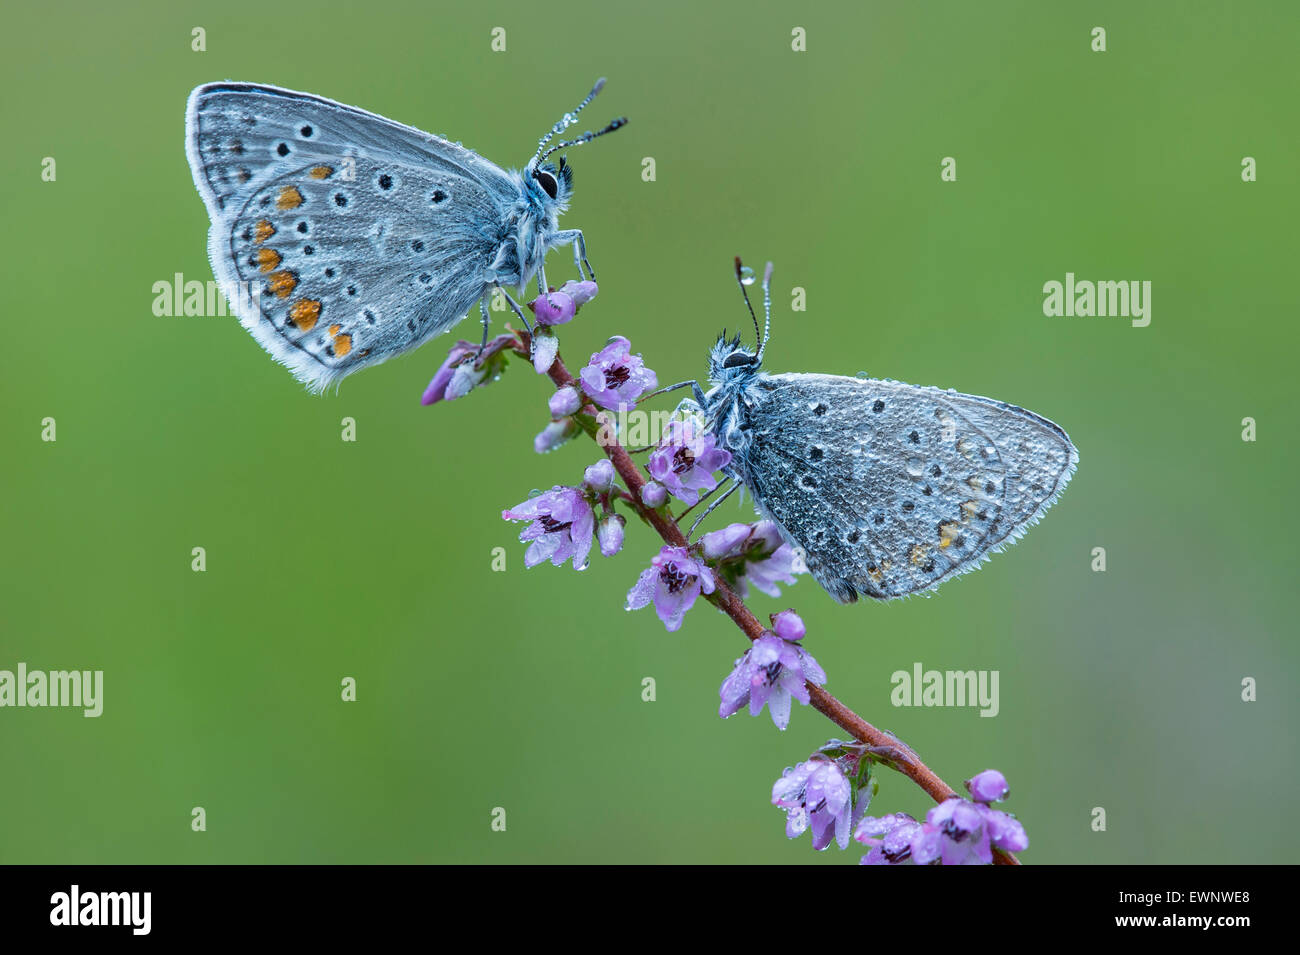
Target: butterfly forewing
point(355, 237)
point(890, 488)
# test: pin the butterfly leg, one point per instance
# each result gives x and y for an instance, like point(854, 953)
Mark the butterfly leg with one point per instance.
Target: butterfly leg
point(515, 306)
point(694, 385)
point(712, 504)
point(574, 237)
point(487, 324)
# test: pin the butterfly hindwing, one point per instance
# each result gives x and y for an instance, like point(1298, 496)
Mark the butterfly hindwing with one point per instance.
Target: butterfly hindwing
point(890, 488)
point(347, 238)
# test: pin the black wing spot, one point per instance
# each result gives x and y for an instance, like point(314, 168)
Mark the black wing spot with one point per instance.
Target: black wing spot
point(340, 200)
point(417, 245)
point(282, 149)
point(352, 290)
point(438, 196)
point(306, 132)
point(878, 407)
point(914, 437)
point(370, 316)
point(308, 249)
point(329, 273)
point(936, 470)
point(808, 481)
point(819, 409)
point(302, 227)
point(385, 182)
point(816, 454)
point(908, 506)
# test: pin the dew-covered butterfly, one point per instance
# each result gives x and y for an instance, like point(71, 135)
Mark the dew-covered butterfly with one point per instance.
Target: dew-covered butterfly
point(887, 489)
point(343, 238)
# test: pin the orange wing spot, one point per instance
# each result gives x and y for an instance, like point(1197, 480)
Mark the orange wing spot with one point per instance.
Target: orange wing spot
point(948, 532)
point(282, 283)
point(263, 230)
point(289, 198)
point(334, 330)
point(321, 172)
point(304, 313)
point(268, 259)
point(342, 345)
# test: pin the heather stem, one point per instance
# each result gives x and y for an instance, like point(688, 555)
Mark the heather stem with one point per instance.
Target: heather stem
point(883, 747)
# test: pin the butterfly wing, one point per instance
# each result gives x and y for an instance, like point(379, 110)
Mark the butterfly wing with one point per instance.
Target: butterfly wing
point(890, 488)
point(341, 238)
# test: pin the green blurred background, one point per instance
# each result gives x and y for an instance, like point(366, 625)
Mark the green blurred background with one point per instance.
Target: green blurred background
point(523, 689)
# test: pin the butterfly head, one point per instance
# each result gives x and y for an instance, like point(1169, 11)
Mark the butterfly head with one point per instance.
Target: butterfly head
point(729, 360)
point(551, 184)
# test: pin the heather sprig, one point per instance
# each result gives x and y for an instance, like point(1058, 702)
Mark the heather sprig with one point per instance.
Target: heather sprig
point(829, 792)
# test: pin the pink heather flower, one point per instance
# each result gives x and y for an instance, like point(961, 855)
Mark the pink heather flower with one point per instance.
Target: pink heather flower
point(752, 553)
point(653, 494)
point(610, 535)
point(890, 838)
point(600, 476)
point(673, 580)
point(615, 377)
point(772, 673)
point(988, 787)
point(545, 347)
point(816, 793)
point(788, 625)
point(581, 292)
point(554, 308)
point(561, 528)
point(559, 307)
point(685, 460)
point(462, 371)
point(564, 402)
point(555, 434)
point(955, 832)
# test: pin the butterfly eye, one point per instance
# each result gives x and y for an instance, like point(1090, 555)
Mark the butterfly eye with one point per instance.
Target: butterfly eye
point(547, 182)
point(738, 358)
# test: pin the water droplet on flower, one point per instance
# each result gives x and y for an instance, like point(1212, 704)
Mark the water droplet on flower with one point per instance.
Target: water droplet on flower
point(534, 493)
point(746, 275)
point(862, 374)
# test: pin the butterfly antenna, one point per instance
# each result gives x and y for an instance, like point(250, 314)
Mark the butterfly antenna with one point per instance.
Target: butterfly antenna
point(740, 280)
point(767, 310)
point(567, 120)
point(586, 137)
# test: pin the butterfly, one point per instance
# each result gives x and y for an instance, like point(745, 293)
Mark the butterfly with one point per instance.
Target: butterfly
point(885, 489)
point(342, 238)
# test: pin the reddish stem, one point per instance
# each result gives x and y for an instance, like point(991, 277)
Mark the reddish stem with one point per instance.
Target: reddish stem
point(884, 747)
